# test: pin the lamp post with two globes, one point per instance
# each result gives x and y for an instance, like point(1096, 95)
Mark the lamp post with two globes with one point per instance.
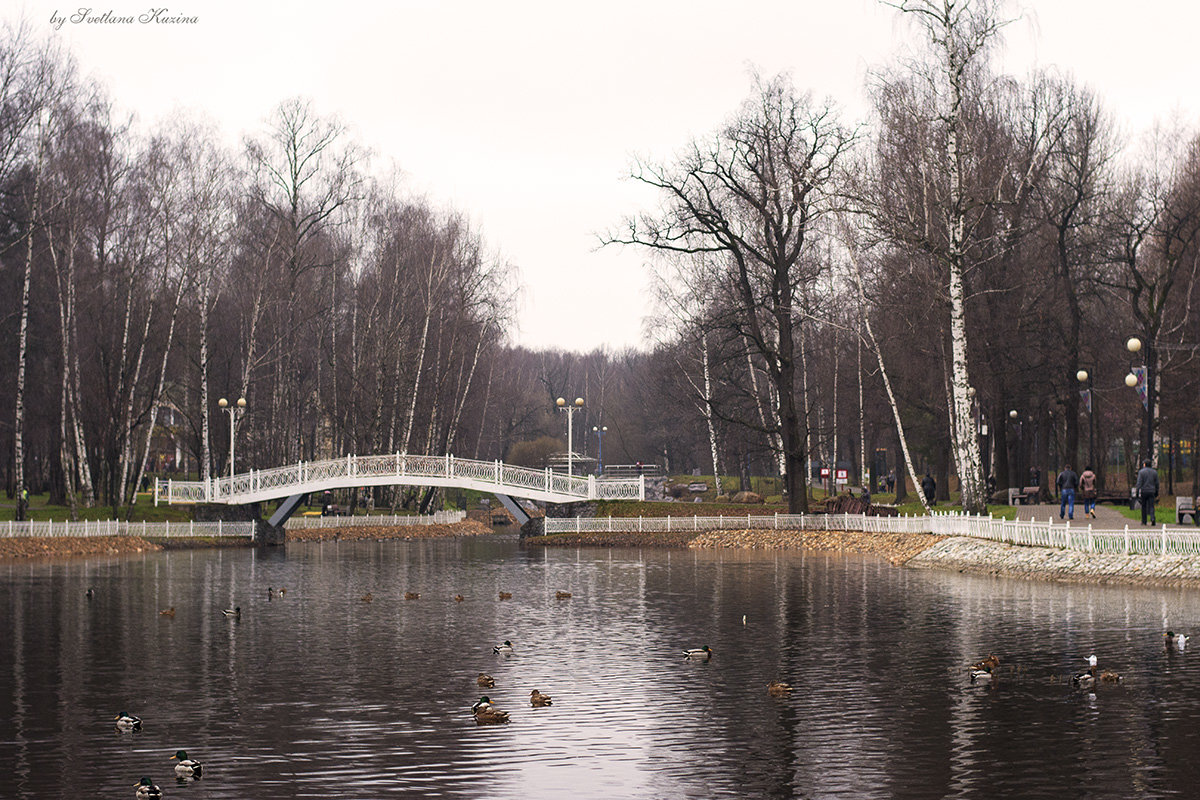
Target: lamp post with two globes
point(570, 408)
point(600, 431)
point(1146, 379)
point(234, 410)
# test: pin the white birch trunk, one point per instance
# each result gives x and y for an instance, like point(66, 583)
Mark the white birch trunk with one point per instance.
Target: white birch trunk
point(708, 412)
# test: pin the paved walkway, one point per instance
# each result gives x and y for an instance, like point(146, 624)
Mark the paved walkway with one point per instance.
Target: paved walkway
point(1107, 517)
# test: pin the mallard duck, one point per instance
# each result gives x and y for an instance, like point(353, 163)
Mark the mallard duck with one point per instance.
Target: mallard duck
point(270, 592)
point(486, 681)
point(538, 699)
point(146, 790)
point(562, 595)
point(90, 593)
point(698, 652)
point(412, 596)
point(167, 612)
point(1084, 680)
point(128, 722)
point(282, 591)
point(1108, 676)
point(366, 598)
point(506, 595)
point(458, 598)
point(778, 689)
point(980, 674)
point(1177, 640)
point(503, 649)
point(236, 613)
point(187, 767)
point(484, 712)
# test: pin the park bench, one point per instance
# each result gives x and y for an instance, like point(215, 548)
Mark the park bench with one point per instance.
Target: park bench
point(1186, 506)
point(1022, 496)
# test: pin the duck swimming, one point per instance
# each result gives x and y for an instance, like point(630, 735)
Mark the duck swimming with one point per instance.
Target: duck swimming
point(1176, 640)
point(146, 790)
point(167, 612)
point(1084, 680)
point(187, 767)
point(778, 689)
point(485, 713)
point(537, 699)
point(698, 652)
point(506, 595)
point(128, 722)
point(485, 680)
point(458, 598)
point(503, 649)
point(236, 613)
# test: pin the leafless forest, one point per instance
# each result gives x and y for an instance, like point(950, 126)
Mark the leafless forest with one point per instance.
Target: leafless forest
point(882, 295)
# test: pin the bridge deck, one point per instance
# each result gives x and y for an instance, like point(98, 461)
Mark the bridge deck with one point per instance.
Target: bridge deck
point(398, 469)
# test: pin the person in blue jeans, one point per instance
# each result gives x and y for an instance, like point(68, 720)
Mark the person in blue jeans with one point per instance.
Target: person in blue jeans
point(1067, 483)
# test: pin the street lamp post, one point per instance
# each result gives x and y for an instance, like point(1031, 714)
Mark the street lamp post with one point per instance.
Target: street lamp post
point(600, 431)
point(570, 409)
point(1134, 345)
point(234, 410)
point(1015, 417)
point(1085, 376)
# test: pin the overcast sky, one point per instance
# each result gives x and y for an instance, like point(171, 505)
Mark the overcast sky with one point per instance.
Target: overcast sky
point(526, 116)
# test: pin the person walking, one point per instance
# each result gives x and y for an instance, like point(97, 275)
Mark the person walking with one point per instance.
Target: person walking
point(1087, 492)
point(1067, 483)
point(929, 487)
point(1147, 490)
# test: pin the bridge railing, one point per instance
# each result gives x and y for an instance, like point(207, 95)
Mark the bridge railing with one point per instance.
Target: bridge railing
point(378, 520)
point(348, 470)
point(111, 527)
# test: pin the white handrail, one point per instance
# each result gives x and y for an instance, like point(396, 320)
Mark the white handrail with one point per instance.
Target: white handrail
point(1158, 541)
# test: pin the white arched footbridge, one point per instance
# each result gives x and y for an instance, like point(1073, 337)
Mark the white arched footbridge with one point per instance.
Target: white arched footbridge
point(398, 469)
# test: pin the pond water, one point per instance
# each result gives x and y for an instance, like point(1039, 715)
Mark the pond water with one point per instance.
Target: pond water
point(320, 694)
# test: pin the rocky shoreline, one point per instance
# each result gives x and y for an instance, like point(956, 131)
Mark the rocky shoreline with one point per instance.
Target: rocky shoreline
point(467, 527)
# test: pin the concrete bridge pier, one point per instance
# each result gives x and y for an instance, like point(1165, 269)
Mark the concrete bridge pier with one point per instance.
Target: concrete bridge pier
point(265, 533)
point(537, 527)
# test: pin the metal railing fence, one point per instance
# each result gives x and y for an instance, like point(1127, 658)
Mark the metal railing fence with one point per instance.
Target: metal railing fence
point(1127, 541)
point(112, 527)
point(377, 521)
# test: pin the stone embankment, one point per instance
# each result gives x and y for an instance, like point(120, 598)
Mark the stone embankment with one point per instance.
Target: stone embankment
point(349, 534)
point(896, 547)
point(983, 557)
point(35, 546)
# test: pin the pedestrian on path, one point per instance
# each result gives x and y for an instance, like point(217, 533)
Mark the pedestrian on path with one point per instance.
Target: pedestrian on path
point(1067, 483)
point(1147, 491)
point(929, 487)
point(1087, 492)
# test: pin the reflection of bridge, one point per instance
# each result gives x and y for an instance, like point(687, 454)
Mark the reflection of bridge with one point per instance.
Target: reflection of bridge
point(400, 469)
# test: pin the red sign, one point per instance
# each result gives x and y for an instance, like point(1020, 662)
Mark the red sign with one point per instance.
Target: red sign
point(843, 475)
point(824, 472)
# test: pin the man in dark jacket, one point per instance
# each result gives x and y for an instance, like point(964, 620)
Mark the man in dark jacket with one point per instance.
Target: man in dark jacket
point(1067, 483)
point(929, 487)
point(1147, 490)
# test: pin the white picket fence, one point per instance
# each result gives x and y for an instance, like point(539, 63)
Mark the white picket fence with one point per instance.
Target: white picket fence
point(1129, 541)
point(112, 527)
point(379, 521)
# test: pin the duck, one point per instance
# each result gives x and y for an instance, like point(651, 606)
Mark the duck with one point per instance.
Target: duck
point(538, 700)
point(698, 652)
point(562, 595)
point(270, 592)
point(458, 598)
point(236, 612)
point(989, 663)
point(1108, 676)
point(90, 593)
point(1092, 660)
point(484, 712)
point(412, 596)
point(167, 612)
point(187, 767)
point(506, 595)
point(128, 722)
point(778, 689)
point(146, 790)
point(368, 597)
point(981, 674)
point(1177, 640)
point(1084, 680)
point(503, 649)
point(282, 591)
point(486, 681)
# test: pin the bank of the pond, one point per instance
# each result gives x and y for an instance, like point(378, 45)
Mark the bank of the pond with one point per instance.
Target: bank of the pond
point(984, 557)
point(896, 547)
point(467, 527)
point(56, 546)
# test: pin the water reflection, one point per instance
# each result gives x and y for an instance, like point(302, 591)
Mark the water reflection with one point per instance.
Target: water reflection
point(317, 694)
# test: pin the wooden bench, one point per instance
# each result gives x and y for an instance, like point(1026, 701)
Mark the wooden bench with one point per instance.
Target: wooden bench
point(1185, 506)
point(1022, 496)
